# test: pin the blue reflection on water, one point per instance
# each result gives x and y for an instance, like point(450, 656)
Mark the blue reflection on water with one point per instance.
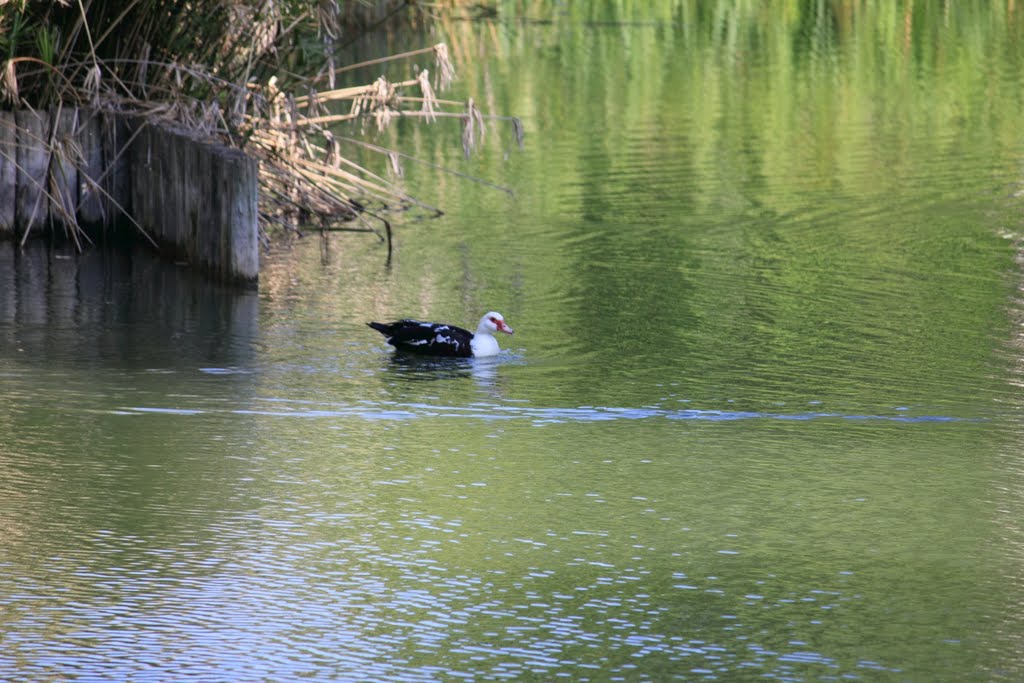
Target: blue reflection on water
point(390, 410)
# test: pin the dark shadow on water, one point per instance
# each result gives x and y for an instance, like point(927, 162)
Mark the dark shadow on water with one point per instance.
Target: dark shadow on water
point(485, 374)
point(122, 309)
point(413, 368)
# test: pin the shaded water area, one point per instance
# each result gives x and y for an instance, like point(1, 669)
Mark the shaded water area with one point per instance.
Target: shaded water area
point(761, 417)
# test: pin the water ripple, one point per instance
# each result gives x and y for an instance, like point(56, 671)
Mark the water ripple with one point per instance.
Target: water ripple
point(389, 410)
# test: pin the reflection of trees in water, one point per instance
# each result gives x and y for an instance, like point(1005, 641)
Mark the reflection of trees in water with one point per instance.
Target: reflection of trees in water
point(1008, 491)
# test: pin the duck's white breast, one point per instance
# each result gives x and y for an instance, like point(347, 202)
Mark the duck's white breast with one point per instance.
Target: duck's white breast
point(484, 345)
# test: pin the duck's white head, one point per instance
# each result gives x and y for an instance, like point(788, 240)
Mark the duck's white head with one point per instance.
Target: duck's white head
point(493, 322)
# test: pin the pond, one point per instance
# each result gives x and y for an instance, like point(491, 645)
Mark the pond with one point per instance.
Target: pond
point(761, 417)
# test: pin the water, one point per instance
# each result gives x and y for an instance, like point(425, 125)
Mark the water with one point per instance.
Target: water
point(760, 417)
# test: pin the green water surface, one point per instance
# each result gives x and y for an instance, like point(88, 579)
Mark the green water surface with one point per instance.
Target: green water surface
point(760, 419)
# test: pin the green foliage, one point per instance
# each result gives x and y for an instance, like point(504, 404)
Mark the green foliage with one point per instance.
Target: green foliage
point(47, 39)
point(11, 28)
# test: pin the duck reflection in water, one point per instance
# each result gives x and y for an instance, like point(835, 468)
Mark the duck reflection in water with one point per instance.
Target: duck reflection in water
point(410, 368)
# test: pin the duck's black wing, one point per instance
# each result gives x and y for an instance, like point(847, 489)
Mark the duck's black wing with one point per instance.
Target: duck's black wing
point(428, 339)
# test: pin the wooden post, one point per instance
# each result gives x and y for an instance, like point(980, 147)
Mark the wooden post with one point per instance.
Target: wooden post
point(140, 163)
point(8, 172)
point(174, 157)
point(91, 204)
point(243, 221)
point(211, 238)
point(116, 181)
point(197, 200)
point(31, 208)
point(63, 171)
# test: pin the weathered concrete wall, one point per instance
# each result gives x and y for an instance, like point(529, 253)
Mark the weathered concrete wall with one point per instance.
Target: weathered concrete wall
point(197, 201)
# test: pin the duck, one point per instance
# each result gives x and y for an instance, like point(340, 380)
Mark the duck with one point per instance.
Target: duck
point(441, 339)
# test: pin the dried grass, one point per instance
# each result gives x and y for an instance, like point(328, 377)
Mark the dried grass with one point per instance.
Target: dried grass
point(218, 71)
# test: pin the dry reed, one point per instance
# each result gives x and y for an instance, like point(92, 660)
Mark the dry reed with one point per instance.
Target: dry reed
point(221, 71)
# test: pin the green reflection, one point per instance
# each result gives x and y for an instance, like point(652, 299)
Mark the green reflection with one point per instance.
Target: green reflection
point(792, 217)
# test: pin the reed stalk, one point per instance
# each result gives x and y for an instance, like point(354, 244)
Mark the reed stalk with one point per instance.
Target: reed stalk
point(226, 72)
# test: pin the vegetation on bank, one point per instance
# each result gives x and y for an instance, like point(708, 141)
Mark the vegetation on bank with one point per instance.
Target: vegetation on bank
point(259, 75)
